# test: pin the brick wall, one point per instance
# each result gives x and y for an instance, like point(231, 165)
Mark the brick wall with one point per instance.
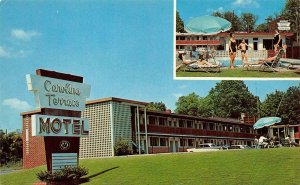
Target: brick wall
point(158, 149)
point(33, 146)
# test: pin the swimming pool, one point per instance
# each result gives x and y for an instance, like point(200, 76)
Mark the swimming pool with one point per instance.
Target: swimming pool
point(225, 62)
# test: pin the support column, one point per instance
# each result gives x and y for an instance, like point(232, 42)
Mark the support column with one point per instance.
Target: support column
point(138, 128)
point(146, 132)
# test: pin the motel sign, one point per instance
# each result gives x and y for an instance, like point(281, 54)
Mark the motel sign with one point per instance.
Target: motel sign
point(61, 99)
point(58, 94)
point(43, 125)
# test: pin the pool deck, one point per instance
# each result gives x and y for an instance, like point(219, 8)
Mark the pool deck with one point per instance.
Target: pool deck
point(291, 63)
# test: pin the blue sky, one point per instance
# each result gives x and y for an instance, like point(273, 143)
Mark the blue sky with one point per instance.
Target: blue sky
point(121, 48)
point(261, 8)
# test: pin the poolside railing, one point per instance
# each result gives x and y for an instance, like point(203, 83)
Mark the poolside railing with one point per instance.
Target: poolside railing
point(255, 54)
point(251, 54)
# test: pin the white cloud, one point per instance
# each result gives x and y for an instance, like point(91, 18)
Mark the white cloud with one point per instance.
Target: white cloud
point(246, 3)
point(12, 53)
point(220, 9)
point(4, 52)
point(182, 87)
point(16, 104)
point(23, 35)
point(177, 95)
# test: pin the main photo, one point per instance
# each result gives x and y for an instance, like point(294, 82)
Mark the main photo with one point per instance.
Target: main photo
point(237, 39)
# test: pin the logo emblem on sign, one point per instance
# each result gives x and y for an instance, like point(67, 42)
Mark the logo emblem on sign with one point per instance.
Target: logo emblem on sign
point(64, 145)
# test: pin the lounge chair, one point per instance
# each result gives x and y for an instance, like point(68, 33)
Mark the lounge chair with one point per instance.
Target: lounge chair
point(264, 64)
point(274, 64)
point(207, 67)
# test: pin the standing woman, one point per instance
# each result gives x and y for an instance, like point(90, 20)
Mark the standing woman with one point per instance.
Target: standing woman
point(277, 41)
point(232, 49)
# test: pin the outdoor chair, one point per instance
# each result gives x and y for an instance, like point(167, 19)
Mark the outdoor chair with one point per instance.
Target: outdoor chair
point(274, 64)
point(205, 68)
point(212, 65)
point(265, 65)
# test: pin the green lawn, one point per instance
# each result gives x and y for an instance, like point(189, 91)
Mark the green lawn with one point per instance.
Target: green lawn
point(269, 166)
point(240, 72)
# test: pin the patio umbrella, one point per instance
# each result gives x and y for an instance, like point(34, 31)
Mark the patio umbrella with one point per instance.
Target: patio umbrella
point(266, 121)
point(207, 25)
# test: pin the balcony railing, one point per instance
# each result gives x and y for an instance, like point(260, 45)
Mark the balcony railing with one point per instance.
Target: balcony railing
point(195, 132)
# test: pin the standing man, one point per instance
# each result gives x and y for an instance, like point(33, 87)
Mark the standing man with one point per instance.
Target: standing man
point(256, 142)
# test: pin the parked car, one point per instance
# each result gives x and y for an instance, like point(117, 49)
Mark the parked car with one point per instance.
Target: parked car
point(224, 147)
point(239, 147)
point(205, 148)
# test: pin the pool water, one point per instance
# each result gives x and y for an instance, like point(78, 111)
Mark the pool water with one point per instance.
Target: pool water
point(225, 62)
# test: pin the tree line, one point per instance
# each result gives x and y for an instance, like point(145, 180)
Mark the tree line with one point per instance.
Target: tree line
point(11, 147)
point(247, 21)
point(229, 99)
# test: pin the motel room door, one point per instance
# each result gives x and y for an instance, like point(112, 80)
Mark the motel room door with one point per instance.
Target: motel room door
point(173, 146)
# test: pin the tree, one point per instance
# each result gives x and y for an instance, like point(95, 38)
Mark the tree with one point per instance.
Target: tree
point(283, 104)
point(248, 21)
point(156, 106)
point(179, 24)
point(231, 98)
point(10, 147)
point(231, 17)
point(263, 27)
point(234, 19)
point(289, 109)
point(206, 107)
point(291, 12)
point(270, 105)
point(188, 105)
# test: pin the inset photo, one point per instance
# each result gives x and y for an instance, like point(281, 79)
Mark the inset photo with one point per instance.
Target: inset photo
point(237, 39)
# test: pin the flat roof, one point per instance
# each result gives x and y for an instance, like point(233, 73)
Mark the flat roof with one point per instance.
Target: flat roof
point(31, 112)
point(116, 100)
point(224, 34)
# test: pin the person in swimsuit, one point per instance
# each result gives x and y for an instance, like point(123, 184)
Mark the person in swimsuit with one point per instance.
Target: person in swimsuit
point(243, 47)
point(200, 61)
point(270, 59)
point(232, 50)
point(277, 41)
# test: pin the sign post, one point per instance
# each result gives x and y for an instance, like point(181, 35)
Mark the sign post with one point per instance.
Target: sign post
point(61, 98)
point(283, 25)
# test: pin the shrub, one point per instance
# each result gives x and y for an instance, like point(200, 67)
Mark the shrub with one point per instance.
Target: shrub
point(122, 148)
point(65, 174)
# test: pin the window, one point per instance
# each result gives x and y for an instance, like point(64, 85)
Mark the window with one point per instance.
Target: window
point(211, 126)
point(154, 141)
point(182, 142)
point(230, 128)
point(268, 44)
point(190, 142)
point(204, 126)
point(162, 121)
point(181, 123)
point(163, 141)
point(189, 124)
point(151, 120)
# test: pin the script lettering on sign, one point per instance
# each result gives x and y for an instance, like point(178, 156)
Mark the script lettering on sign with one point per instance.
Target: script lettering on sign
point(43, 125)
point(58, 94)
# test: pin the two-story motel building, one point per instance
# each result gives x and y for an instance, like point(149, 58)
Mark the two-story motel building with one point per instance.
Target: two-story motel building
point(155, 132)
